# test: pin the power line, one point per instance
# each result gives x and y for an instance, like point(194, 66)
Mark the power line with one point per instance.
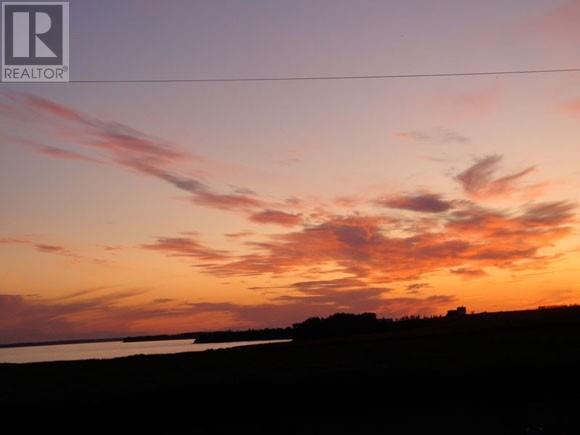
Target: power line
point(312, 78)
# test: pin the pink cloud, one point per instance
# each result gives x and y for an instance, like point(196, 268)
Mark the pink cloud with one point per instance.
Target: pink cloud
point(559, 23)
point(55, 109)
point(125, 147)
point(571, 107)
point(56, 152)
point(64, 154)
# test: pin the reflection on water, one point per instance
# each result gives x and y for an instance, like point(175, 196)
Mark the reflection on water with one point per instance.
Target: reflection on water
point(112, 349)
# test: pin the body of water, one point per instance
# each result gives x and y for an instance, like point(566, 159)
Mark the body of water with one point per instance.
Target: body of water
point(111, 349)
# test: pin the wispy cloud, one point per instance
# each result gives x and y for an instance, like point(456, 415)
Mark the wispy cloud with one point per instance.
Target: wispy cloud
point(468, 273)
point(558, 24)
point(30, 318)
point(122, 146)
point(291, 157)
point(56, 152)
point(41, 247)
point(480, 180)
point(239, 235)
point(234, 202)
point(435, 136)
point(417, 287)
point(186, 247)
point(474, 103)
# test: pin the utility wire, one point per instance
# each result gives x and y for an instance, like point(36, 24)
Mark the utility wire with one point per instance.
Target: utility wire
point(312, 78)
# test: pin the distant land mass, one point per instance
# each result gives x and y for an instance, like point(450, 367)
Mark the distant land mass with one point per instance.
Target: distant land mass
point(60, 342)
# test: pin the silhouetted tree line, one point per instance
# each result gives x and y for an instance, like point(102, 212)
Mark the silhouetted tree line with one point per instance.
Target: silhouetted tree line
point(336, 325)
point(247, 335)
point(340, 324)
point(456, 321)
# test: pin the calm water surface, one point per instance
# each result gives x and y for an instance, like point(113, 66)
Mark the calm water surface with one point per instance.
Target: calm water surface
point(112, 349)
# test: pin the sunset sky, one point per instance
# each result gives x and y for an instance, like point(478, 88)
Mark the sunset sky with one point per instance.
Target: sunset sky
point(128, 209)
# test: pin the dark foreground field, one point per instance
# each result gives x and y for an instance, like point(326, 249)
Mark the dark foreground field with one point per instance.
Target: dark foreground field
point(483, 378)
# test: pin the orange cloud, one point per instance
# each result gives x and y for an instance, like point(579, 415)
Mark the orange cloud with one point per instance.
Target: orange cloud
point(276, 217)
point(369, 248)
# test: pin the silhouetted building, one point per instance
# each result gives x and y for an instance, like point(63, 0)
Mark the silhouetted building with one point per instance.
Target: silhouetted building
point(458, 312)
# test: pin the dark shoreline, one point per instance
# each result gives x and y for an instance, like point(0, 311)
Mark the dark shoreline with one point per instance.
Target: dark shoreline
point(492, 376)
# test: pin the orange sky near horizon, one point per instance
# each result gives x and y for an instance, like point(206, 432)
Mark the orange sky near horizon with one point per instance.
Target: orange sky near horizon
point(134, 209)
